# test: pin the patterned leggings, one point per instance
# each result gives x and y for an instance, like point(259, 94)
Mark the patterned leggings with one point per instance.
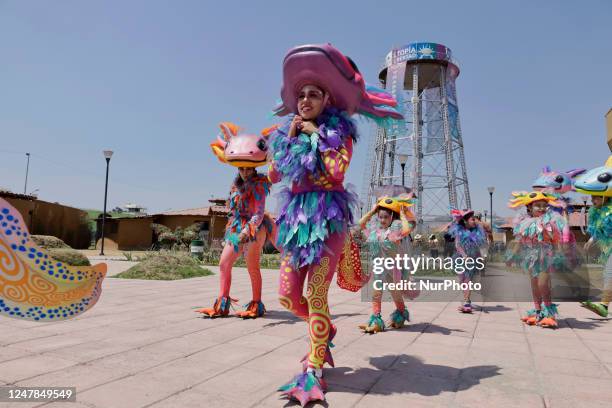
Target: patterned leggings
point(314, 307)
point(252, 252)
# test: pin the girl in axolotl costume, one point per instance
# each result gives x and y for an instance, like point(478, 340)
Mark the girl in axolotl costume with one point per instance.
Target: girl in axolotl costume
point(387, 237)
point(598, 183)
point(312, 151)
point(470, 239)
point(541, 236)
point(248, 225)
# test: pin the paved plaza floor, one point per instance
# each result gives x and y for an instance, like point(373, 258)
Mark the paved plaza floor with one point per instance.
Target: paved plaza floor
point(142, 345)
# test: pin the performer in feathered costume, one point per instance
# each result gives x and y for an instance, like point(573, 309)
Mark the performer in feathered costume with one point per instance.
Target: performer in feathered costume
point(387, 237)
point(248, 225)
point(34, 286)
point(598, 183)
point(470, 239)
point(312, 151)
point(557, 184)
point(540, 235)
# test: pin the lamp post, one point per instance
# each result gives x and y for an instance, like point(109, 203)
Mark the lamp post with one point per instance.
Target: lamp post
point(403, 159)
point(585, 198)
point(25, 186)
point(491, 190)
point(107, 155)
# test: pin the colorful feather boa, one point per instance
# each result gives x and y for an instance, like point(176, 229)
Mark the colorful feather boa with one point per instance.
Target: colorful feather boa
point(296, 158)
point(470, 240)
point(541, 247)
point(306, 219)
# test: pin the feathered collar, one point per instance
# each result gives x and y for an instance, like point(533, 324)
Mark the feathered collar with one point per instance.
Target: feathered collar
point(530, 227)
point(298, 157)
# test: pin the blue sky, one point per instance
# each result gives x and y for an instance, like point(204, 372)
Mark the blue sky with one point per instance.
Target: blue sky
point(152, 79)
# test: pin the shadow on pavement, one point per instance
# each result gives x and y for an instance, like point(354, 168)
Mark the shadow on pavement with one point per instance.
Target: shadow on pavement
point(425, 327)
point(286, 317)
point(496, 308)
point(591, 324)
point(405, 374)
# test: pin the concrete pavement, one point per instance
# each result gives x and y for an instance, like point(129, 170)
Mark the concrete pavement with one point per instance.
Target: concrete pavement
point(143, 346)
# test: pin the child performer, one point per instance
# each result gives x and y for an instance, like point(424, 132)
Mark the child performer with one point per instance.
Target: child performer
point(470, 237)
point(540, 235)
point(598, 183)
point(387, 237)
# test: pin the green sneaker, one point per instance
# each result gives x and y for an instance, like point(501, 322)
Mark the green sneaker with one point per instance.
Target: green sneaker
point(598, 308)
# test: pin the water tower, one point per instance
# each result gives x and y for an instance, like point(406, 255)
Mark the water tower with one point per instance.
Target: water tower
point(425, 152)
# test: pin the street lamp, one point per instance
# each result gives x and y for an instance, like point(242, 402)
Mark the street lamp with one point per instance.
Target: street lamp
point(491, 190)
point(585, 198)
point(403, 159)
point(25, 187)
point(107, 155)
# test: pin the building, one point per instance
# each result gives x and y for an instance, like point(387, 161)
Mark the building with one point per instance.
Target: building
point(43, 218)
point(132, 233)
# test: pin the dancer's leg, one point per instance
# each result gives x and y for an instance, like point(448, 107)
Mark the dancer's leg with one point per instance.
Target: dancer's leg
point(319, 279)
point(291, 287)
point(228, 257)
point(253, 255)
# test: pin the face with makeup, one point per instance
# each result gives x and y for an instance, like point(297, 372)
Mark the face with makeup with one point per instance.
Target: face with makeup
point(470, 222)
point(538, 208)
point(385, 217)
point(245, 172)
point(598, 201)
point(311, 102)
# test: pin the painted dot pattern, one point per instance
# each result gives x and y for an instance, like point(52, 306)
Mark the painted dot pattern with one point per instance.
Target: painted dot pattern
point(34, 286)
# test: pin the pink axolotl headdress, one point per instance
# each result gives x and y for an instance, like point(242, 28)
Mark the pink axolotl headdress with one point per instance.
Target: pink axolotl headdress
point(241, 149)
point(556, 182)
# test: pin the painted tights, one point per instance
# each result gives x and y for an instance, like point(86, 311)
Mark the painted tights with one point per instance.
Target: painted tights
point(252, 251)
point(314, 307)
point(397, 296)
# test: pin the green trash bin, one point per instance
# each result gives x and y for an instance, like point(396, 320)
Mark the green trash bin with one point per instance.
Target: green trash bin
point(197, 249)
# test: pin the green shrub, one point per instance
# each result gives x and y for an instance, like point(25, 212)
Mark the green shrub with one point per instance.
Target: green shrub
point(267, 261)
point(68, 256)
point(165, 265)
point(48, 241)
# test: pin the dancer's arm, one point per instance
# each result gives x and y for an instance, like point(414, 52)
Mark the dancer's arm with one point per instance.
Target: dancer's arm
point(363, 222)
point(273, 175)
point(258, 214)
point(336, 161)
point(402, 229)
